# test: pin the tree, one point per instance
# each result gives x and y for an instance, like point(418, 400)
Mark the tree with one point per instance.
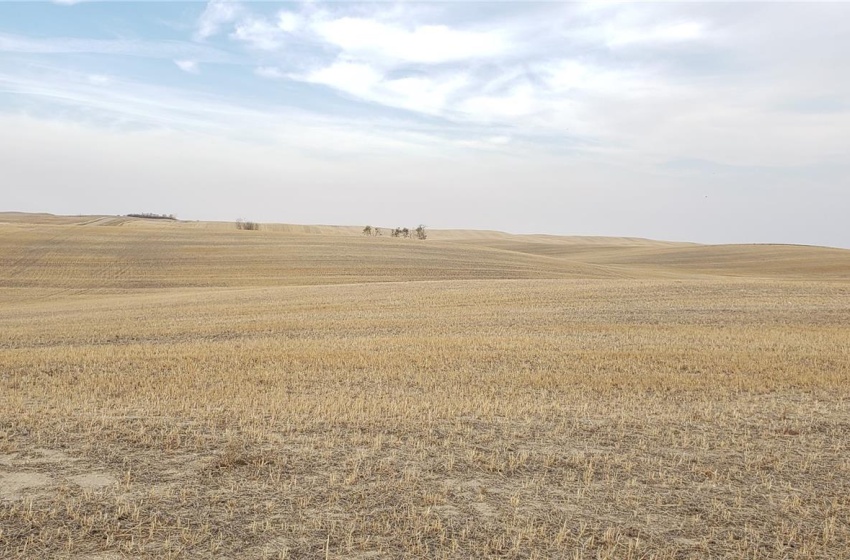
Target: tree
point(367, 230)
point(151, 216)
point(421, 233)
point(242, 224)
point(378, 232)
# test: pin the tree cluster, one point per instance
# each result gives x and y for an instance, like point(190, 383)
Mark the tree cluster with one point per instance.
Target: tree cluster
point(418, 233)
point(372, 231)
point(150, 216)
point(242, 224)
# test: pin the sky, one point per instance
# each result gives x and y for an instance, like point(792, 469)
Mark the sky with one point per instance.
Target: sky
point(707, 122)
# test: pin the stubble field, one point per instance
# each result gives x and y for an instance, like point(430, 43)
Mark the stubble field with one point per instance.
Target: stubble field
point(187, 390)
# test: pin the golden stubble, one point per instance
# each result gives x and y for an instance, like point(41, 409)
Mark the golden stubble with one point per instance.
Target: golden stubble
point(654, 416)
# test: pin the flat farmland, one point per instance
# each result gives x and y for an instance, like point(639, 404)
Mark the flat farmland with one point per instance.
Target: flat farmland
point(187, 390)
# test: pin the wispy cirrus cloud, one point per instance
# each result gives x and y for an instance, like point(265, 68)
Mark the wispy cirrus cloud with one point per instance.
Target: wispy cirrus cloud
point(140, 106)
point(188, 66)
point(18, 44)
point(269, 72)
point(99, 79)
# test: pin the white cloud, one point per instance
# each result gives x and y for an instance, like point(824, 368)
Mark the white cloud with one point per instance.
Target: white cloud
point(500, 140)
point(663, 33)
point(571, 76)
point(351, 77)
point(188, 66)
point(427, 94)
point(268, 72)
point(289, 21)
point(259, 34)
point(620, 25)
point(553, 72)
point(99, 80)
point(217, 14)
point(427, 44)
point(264, 34)
point(517, 103)
point(567, 75)
point(543, 96)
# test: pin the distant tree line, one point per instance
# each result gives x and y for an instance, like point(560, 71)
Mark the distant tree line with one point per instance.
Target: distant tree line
point(243, 224)
point(418, 233)
point(149, 216)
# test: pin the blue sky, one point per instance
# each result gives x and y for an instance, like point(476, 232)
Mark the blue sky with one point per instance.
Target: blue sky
point(711, 122)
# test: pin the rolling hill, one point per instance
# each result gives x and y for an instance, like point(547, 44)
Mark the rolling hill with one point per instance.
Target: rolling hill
point(109, 252)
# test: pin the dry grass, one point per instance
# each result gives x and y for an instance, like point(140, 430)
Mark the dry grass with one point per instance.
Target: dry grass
point(505, 408)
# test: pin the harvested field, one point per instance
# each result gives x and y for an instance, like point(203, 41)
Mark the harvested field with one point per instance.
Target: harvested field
point(187, 390)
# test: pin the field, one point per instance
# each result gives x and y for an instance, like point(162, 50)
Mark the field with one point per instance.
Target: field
point(188, 390)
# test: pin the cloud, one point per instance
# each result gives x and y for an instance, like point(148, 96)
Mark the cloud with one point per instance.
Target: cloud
point(352, 77)
point(516, 103)
point(115, 47)
point(662, 33)
point(634, 83)
point(266, 34)
point(289, 21)
point(217, 14)
point(569, 75)
point(259, 33)
point(428, 94)
point(99, 80)
point(188, 66)
point(427, 44)
point(269, 72)
point(135, 106)
point(620, 26)
point(380, 59)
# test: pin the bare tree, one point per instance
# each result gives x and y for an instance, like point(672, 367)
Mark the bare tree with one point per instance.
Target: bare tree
point(421, 233)
point(242, 224)
point(367, 230)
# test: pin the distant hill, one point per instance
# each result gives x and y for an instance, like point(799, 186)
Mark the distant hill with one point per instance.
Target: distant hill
point(121, 252)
